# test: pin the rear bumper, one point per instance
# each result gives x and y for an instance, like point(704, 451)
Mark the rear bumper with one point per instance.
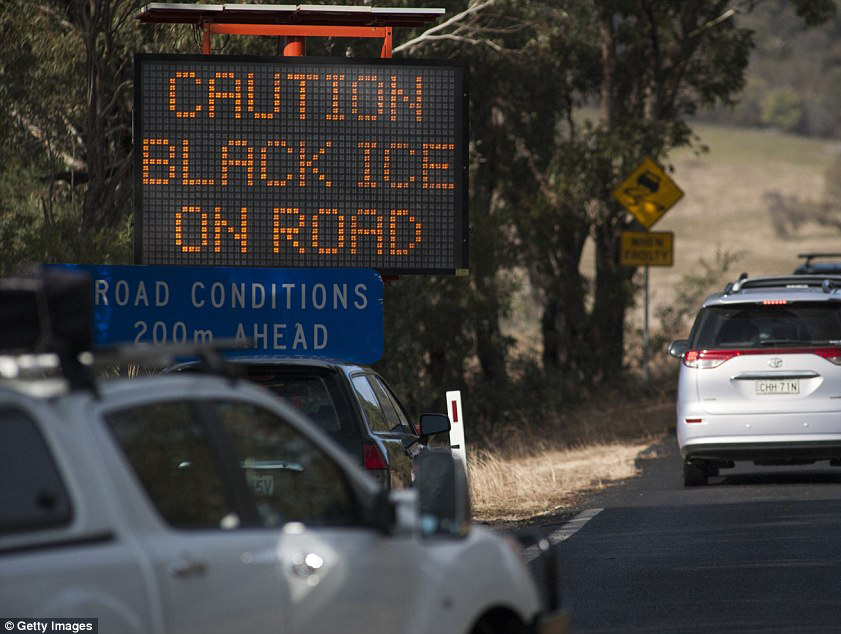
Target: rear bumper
point(750, 436)
point(770, 451)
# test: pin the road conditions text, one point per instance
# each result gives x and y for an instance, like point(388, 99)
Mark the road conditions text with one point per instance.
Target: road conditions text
point(303, 312)
point(272, 299)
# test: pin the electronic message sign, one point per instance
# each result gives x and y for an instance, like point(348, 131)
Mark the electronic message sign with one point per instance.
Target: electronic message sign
point(300, 162)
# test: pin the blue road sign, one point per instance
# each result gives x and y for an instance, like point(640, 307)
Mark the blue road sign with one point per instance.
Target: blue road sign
point(328, 313)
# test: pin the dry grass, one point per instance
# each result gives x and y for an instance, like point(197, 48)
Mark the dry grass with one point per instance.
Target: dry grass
point(509, 489)
point(547, 468)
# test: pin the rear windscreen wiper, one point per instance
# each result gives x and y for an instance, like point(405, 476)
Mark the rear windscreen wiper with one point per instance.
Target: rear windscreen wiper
point(782, 342)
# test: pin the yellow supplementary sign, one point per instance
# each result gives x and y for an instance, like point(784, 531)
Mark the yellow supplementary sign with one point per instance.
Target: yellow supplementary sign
point(644, 248)
point(648, 193)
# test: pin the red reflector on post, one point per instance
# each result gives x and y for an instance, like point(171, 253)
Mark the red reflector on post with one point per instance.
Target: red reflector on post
point(372, 458)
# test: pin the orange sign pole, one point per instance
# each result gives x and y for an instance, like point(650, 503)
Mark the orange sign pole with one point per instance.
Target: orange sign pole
point(295, 35)
point(385, 52)
point(205, 39)
point(294, 46)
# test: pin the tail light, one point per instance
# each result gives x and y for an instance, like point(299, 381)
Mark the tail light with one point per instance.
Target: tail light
point(706, 359)
point(830, 354)
point(372, 457)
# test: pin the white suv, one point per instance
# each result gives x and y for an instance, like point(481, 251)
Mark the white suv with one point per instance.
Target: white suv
point(191, 503)
point(179, 504)
point(760, 377)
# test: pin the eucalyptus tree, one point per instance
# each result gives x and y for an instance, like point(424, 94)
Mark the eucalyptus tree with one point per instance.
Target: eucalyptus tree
point(67, 78)
point(646, 66)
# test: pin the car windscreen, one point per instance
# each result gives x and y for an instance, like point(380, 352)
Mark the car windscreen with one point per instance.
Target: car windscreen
point(316, 394)
point(746, 326)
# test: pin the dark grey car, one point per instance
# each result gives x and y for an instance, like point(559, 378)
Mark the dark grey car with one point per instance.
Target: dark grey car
point(354, 405)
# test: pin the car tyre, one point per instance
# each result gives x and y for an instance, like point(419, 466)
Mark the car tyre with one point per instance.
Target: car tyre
point(499, 622)
point(694, 475)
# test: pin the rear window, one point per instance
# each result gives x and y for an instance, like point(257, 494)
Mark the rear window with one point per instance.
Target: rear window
point(746, 326)
point(317, 395)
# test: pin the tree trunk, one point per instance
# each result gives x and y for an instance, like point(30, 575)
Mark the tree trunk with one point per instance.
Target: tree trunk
point(613, 295)
point(486, 246)
point(91, 14)
point(108, 171)
point(563, 323)
point(491, 348)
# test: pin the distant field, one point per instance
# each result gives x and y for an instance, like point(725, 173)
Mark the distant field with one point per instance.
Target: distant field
point(723, 205)
point(748, 145)
point(723, 209)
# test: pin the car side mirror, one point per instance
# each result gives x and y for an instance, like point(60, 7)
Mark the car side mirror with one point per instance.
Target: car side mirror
point(443, 494)
point(394, 511)
point(678, 348)
point(432, 424)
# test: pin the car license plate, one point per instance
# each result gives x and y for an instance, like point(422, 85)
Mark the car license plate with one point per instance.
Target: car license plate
point(779, 386)
point(261, 484)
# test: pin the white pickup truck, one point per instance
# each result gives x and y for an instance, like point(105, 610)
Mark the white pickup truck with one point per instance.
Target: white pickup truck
point(195, 504)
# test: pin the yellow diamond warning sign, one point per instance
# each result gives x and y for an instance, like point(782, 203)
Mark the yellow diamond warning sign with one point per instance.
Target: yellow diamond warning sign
point(646, 248)
point(648, 192)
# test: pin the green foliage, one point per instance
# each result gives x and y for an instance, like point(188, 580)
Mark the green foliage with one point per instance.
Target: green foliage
point(791, 56)
point(428, 322)
point(66, 144)
point(540, 174)
point(815, 12)
point(782, 108)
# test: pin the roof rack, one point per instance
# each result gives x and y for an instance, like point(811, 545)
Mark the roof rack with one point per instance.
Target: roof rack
point(78, 369)
point(809, 267)
point(811, 256)
point(827, 282)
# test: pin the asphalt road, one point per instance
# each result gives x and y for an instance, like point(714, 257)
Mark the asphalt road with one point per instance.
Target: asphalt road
point(758, 550)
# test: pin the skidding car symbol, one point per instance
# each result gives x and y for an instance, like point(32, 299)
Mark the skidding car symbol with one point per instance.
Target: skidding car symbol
point(648, 183)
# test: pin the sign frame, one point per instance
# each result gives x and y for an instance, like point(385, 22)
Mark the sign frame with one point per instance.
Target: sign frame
point(456, 244)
